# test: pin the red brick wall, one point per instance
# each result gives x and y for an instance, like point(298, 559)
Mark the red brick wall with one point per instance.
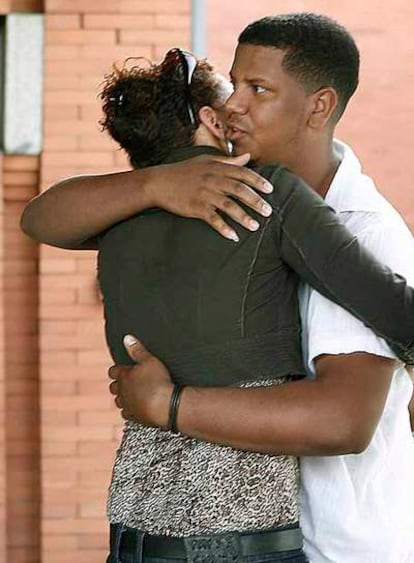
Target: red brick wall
point(21, 179)
point(80, 427)
point(380, 119)
point(2, 382)
point(19, 397)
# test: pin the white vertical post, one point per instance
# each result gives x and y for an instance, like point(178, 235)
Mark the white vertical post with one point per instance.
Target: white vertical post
point(23, 88)
point(198, 28)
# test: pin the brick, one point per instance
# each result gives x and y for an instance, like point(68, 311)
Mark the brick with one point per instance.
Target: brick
point(54, 252)
point(87, 265)
point(56, 112)
point(62, 542)
point(121, 161)
point(62, 82)
point(65, 97)
point(20, 163)
point(29, 341)
point(110, 21)
point(92, 510)
point(92, 83)
point(23, 321)
point(20, 178)
point(80, 556)
point(118, 53)
point(81, 6)
point(65, 342)
point(62, 127)
point(93, 329)
point(100, 142)
point(89, 295)
point(93, 112)
point(81, 37)
point(92, 66)
point(76, 311)
point(173, 21)
point(76, 434)
point(56, 282)
point(61, 143)
point(155, 6)
point(90, 464)
point(58, 481)
point(61, 21)
point(57, 418)
point(77, 403)
point(53, 449)
point(62, 265)
point(51, 388)
point(60, 53)
point(92, 493)
point(173, 7)
point(25, 372)
point(57, 358)
point(19, 193)
point(66, 510)
point(94, 357)
point(93, 541)
point(71, 372)
point(99, 418)
point(97, 448)
point(67, 296)
point(5, 6)
point(136, 7)
point(83, 158)
point(155, 37)
point(21, 267)
point(21, 387)
point(96, 477)
point(24, 286)
point(64, 327)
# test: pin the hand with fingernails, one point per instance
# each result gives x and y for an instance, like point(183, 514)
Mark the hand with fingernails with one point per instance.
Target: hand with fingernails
point(142, 391)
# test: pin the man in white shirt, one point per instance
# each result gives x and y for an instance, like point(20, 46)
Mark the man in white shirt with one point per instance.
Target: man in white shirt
point(359, 508)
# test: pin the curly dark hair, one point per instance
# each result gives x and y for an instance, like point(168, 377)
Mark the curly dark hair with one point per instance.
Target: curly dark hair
point(318, 51)
point(146, 107)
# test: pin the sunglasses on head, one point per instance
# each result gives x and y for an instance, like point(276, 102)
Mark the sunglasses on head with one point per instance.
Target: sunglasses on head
point(185, 63)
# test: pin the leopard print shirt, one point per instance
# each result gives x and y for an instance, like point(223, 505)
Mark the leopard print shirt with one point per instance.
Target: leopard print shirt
point(170, 484)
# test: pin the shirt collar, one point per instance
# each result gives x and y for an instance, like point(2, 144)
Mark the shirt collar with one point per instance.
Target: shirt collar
point(350, 190)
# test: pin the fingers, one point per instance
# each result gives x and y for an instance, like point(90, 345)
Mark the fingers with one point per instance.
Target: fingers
point(217, 222)
point(136, 350)
point(114, 390)
point(232, 209)
point(245, 175)
point(225, 186)
point(114, 372)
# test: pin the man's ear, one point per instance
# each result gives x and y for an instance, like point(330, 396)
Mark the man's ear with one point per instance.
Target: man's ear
point(323, 106)
point(211, 119)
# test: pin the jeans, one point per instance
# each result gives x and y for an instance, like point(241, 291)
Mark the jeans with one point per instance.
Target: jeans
point(118, 556)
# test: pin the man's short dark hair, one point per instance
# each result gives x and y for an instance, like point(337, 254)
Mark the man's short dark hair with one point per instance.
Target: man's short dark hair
point(318, 51)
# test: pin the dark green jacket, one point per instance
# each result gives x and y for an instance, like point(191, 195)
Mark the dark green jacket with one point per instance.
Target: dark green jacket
point(218, 312)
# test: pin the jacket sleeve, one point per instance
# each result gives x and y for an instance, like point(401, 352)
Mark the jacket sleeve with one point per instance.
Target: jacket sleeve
point(315, 244)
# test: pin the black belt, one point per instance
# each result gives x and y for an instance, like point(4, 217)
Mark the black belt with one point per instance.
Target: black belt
point(257, 543)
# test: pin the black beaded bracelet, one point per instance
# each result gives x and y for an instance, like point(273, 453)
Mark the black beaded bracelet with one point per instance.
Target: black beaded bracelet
point(173, 410)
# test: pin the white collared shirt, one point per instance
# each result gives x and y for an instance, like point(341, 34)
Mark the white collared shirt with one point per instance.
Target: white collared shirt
point(360, 508)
